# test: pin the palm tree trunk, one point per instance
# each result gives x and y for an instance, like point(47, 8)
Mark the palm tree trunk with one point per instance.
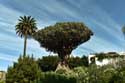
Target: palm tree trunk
point(25, 43)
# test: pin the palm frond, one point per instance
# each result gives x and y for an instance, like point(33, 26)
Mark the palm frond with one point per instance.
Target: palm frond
point(26, 24)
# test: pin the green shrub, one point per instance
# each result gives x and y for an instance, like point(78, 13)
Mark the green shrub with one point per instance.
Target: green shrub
point(78, 61)
point(101, 74)
point(118, 77)
point(2, 81)
point(74, 62)
point(48, 63)
point(26, 70)
point(79, 73)
point(52, 77)
point(61, 71)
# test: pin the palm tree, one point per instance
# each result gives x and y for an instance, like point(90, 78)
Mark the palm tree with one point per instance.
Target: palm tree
point(25, 28)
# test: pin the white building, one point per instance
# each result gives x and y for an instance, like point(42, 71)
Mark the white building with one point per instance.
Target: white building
point(106, 60)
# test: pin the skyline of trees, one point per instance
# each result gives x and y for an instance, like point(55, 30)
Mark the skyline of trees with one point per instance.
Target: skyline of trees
point(60, 38)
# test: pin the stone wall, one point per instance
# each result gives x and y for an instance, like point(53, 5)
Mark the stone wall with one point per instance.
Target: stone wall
point(2, 75)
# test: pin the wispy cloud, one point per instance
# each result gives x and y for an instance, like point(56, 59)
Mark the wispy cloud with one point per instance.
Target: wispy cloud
point(107, 32)
point(8, 57)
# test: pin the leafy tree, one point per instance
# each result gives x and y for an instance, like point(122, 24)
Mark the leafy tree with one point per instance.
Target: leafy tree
point(85, 61)
point(78, 61)
point(48, 63)
point(25, 70)
point(102, 56)
point(63, 37)
point(25, 28)
point(74, 62)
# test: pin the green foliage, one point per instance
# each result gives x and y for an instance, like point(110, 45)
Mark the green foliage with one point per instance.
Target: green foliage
point(74, 62)
point(119, 76)
point(101, 74)
point(61, 71)
point(102, 56)
point(85, 60)
point(64, 37)
point(2, 81)
point(81, 74)
point(77, 61)
point(25, 70)
point(91, 74)
point(48, 63)
point(77, 75)
point(52, 77)
point(25, 28)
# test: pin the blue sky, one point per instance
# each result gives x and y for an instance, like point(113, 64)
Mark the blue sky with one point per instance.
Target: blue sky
point(104, 17)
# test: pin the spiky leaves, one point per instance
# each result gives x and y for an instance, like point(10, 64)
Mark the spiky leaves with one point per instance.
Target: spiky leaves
point(64, 37)
point(25, 28)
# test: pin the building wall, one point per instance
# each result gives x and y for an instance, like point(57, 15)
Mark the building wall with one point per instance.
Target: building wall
point(106, 61)
point(2, 75)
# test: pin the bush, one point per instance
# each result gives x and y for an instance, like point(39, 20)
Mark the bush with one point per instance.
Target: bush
point(79, 73)
point(25, 70)
point(2, 81)
point(85, 60)
point(93, 74)
point(52, 77)
point(77, 61)
point(48, 63)
point(118, 77)
point(74, 62)
point(101, 74)
point(61, 71)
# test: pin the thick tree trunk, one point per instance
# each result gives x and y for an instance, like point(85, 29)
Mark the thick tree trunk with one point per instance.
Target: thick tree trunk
point(25, 43)
point(63, 63)
point(64, 60)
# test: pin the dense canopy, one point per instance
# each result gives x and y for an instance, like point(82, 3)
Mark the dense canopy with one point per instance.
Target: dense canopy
point(26, 26)
point(63, 37)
